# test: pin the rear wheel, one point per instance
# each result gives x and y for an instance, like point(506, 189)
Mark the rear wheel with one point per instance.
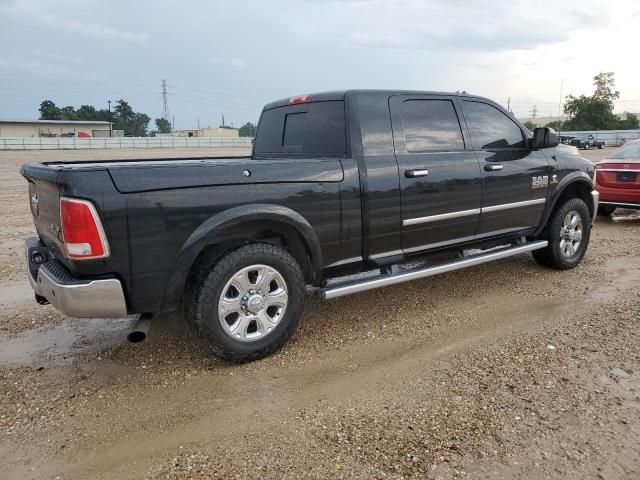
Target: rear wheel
point(606, 210)
point(249, 303)
point(568, 232)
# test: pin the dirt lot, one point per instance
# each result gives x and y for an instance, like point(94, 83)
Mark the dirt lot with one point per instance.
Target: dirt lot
point(500, 371)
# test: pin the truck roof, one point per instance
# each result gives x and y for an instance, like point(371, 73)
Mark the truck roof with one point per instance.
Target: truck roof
point(340, 94)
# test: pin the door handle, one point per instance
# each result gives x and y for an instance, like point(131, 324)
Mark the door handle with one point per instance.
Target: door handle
point(493, 167)
point(416, 173)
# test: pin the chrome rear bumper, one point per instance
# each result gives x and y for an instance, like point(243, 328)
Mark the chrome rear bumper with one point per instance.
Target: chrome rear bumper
point(596, 201)
point(75, 297)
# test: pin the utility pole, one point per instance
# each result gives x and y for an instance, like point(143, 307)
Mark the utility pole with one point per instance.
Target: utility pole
point(173, 124)
point(110, 124)
point(198, 121)
point(165, 105)
point(560, 101)
point(534, 111)
point(509, 104)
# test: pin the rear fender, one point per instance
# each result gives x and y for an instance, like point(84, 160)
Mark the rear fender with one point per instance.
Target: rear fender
point(224, 226)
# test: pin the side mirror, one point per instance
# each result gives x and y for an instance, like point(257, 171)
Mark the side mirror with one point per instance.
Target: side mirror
point(545, 137)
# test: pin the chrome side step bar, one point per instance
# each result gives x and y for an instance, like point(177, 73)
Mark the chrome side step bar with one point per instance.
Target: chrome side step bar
point(348, 288)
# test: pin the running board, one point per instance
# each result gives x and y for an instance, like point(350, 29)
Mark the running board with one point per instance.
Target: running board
point(348, 288)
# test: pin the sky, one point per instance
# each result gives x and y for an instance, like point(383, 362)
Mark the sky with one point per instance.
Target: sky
point(230, 57)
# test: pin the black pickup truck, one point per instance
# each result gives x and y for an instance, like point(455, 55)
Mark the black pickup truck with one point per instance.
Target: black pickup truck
point(344, 192)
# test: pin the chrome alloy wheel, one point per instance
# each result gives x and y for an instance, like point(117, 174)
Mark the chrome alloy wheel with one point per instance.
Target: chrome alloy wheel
point(571, 234)
point(252, 303)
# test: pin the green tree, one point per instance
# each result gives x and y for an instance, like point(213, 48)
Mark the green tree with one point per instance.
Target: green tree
point(138, 127)
point(247, 130)
point(133, 123)
point(163, 125)
point(605, 84)
point(49, 111)
point(123, 116)
point(593, 112)
point(530, 125)
point(629, 122)
point(86, 112)
point(68, 113)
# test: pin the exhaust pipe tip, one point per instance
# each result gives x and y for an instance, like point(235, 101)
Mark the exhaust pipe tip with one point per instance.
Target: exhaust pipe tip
point(140, 329)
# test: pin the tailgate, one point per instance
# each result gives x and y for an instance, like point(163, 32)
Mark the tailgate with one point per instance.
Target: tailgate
point(44, 201)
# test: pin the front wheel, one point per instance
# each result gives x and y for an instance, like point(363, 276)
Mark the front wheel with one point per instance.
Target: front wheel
point(568, 232)
point(249, 303)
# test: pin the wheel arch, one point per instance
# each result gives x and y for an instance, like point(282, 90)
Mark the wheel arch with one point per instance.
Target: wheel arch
point(240, 225)
point(574, 185)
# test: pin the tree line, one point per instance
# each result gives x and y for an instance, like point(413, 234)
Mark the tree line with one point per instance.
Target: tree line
point(594, 112)
point(123, 117)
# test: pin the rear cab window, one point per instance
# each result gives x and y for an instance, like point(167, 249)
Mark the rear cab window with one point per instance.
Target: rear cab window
point(431, 126)
point(316, 129)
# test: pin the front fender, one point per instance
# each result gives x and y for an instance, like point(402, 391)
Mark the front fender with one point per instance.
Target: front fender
point(567, 180)
point(212, 231)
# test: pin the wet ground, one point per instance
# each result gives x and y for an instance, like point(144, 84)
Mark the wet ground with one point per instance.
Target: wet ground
point(503, 370)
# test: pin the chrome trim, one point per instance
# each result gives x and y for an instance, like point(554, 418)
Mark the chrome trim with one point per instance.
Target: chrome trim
point(102, 298)
point(442, 216)
point(492, 167)
point(384, 281)
point(595, 196)
point(475, 211)
point(416, 173)
point(621, 204)
point(617, 170)
point(507, 206)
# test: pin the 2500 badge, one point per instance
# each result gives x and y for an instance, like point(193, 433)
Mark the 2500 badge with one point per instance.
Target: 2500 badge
point(541, 181)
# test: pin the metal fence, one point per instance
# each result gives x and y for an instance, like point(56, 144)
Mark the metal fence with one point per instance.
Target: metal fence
point(123, 142)
point(609, 137)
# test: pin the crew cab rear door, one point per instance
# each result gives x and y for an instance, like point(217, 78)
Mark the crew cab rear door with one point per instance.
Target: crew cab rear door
point(440, 179)
point(515, 177)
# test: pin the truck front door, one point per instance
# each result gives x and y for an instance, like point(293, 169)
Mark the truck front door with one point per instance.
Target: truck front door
point(440, 178)
point(515, 177)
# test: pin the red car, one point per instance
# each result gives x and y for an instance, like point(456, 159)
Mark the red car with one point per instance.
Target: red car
point(618, 179)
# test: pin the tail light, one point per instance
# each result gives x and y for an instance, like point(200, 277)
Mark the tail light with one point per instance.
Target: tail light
point(82, 231)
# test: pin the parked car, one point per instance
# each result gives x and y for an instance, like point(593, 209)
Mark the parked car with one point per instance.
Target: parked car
point(585, 142)
point(399, 184)
point(618, 179)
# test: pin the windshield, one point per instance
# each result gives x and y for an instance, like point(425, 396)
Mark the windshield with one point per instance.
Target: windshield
point(630, 150)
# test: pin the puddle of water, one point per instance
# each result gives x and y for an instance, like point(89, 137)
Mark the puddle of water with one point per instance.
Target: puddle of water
point(64, 342)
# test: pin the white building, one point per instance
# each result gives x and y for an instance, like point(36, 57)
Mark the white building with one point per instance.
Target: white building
point(53, 128)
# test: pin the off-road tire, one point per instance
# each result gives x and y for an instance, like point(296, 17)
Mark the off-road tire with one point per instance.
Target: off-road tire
point(201, 302)
point(551, 256)
point(606, 210)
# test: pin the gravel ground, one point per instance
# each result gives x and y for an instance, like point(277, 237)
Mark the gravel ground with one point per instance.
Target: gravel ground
point(500, 371)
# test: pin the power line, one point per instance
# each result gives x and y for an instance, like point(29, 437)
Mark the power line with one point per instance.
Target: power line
point(217, 93)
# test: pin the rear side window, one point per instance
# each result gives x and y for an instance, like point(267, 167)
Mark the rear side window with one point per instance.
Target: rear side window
point(490, 128)
point(431, 125)
point(315, 129)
